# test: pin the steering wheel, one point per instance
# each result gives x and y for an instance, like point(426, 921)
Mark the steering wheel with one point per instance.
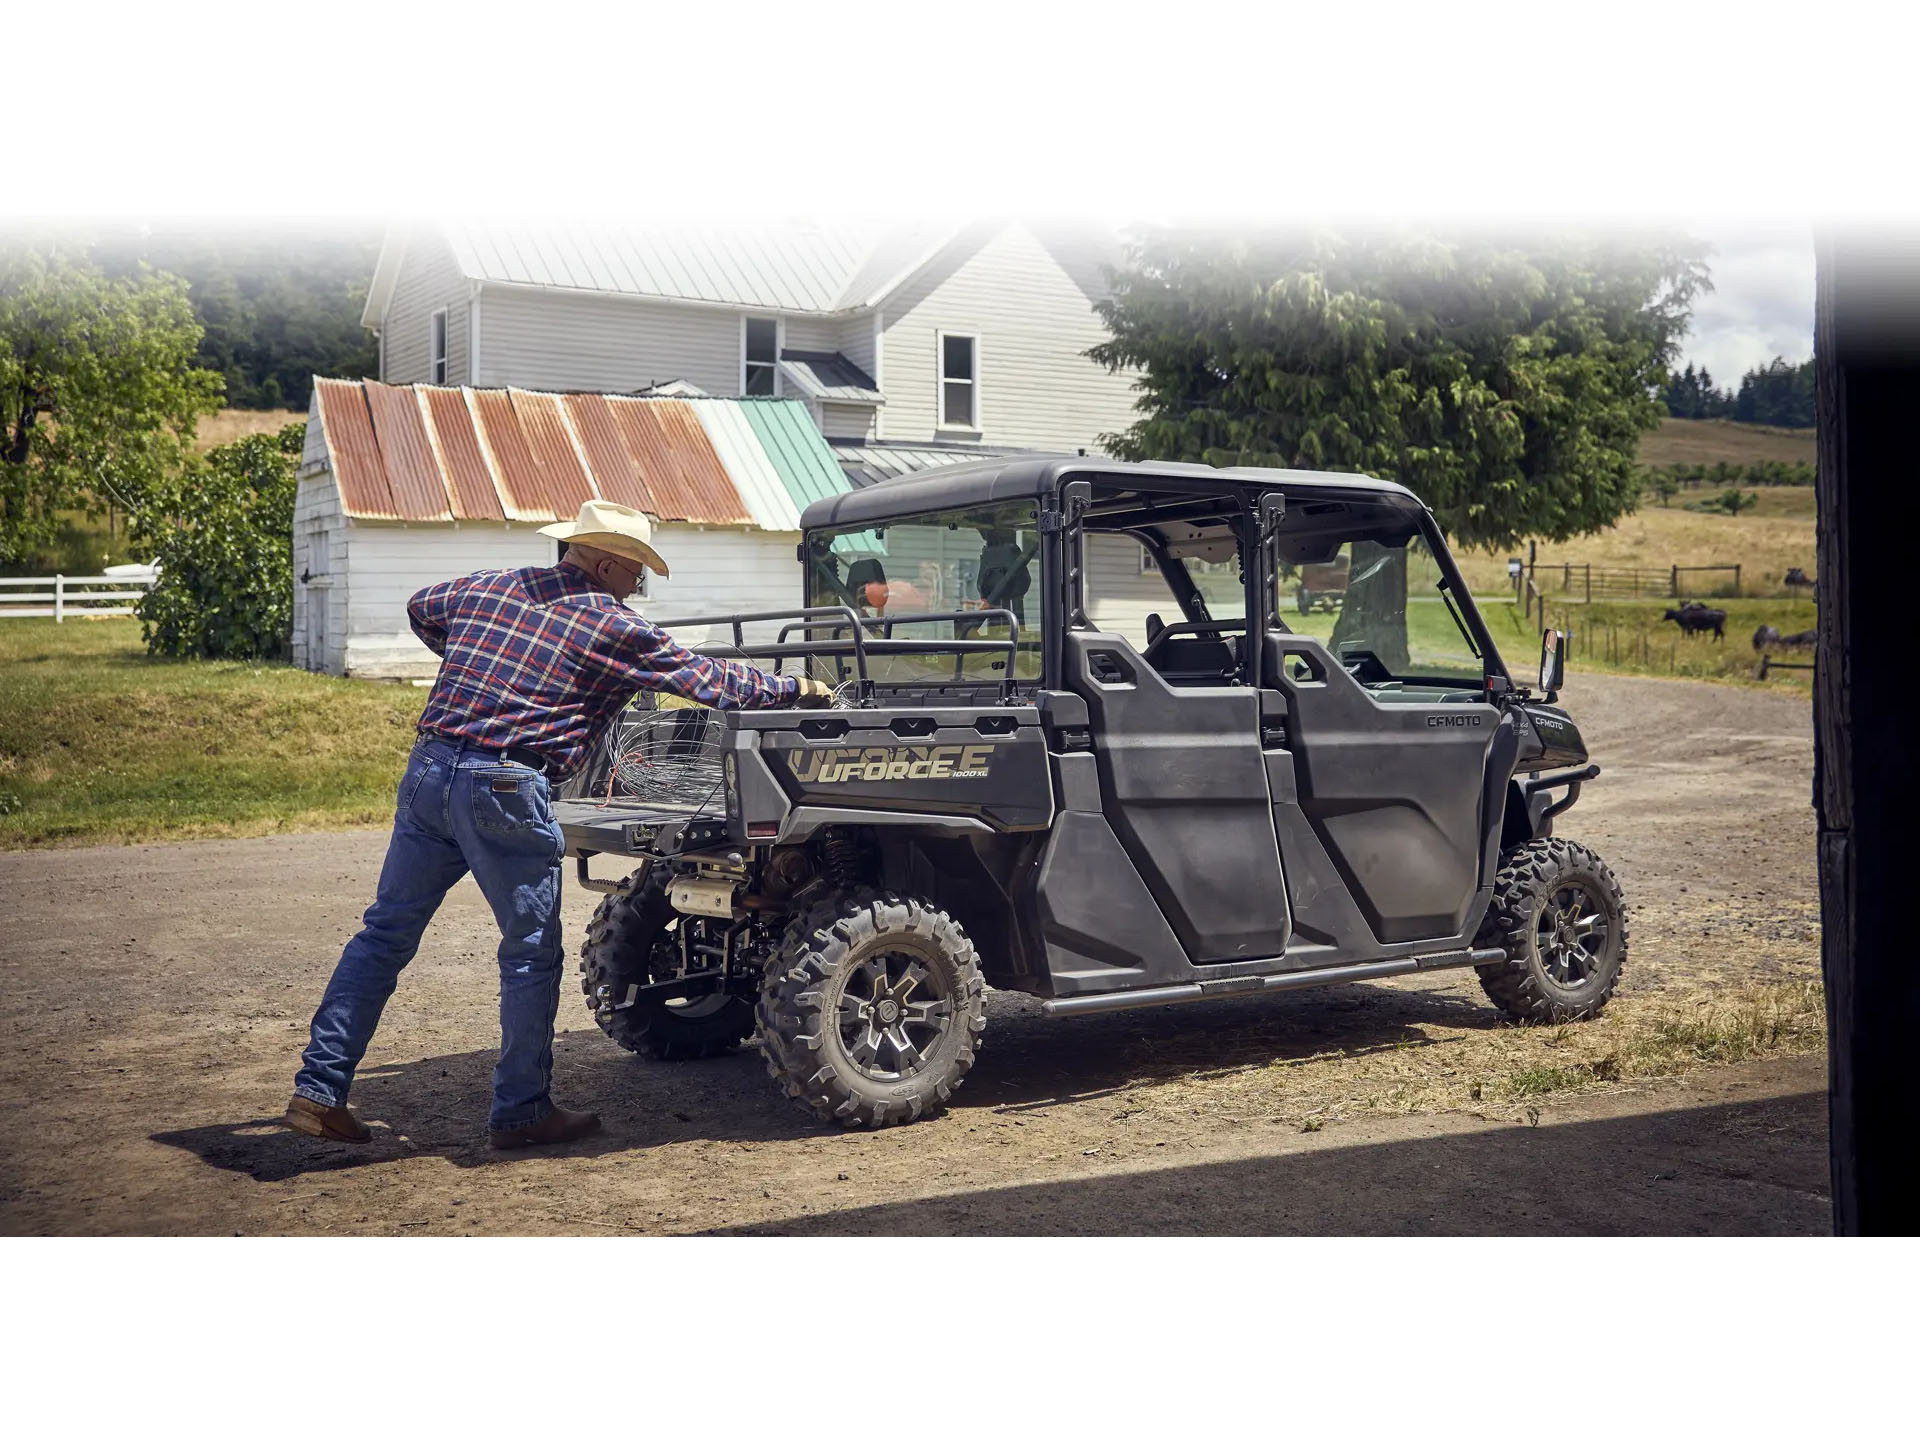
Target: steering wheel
point(1187, 627)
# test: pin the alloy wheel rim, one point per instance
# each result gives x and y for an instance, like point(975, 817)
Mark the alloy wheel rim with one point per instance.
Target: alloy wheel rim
point(893, 1012)
point(1572, 934)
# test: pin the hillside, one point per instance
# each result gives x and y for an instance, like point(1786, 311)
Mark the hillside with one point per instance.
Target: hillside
point(1689, 442)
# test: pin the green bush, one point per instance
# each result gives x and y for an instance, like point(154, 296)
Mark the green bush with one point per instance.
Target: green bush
point(223, 540)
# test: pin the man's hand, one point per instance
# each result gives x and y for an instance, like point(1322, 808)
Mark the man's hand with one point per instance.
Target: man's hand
point(814, 694)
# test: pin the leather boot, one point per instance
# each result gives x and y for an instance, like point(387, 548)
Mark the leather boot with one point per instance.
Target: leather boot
point(325, 1122)
point(556, 1127)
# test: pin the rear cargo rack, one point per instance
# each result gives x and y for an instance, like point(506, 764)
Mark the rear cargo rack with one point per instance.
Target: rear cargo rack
point(850, 639)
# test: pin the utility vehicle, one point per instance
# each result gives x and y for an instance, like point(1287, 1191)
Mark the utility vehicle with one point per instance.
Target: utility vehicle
point(1097, 767)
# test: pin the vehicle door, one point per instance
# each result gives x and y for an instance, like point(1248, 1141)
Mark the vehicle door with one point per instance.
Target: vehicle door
point(1182, 777)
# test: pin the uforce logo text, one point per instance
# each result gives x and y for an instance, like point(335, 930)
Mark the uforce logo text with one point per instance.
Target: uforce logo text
point(893, 762)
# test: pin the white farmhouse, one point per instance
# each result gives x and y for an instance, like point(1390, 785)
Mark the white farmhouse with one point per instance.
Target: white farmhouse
point(907, 347)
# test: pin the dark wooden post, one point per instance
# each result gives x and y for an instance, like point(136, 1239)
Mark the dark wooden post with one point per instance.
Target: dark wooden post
point(1866, 767)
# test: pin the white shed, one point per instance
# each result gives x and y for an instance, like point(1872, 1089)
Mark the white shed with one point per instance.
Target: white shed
point(404, 485)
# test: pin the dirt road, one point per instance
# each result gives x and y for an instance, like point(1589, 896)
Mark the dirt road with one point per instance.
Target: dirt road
point(153, 1001)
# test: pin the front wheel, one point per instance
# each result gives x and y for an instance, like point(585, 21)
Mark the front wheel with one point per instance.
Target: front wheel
point(1558, 913)
point(872, 1011)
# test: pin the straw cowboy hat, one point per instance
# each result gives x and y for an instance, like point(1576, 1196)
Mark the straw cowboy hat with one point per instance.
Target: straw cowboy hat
point(617, 529)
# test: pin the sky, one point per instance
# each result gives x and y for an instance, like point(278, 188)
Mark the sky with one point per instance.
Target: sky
point(1762, 301)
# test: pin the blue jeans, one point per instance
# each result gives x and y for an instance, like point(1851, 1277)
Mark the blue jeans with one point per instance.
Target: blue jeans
point(458, 810)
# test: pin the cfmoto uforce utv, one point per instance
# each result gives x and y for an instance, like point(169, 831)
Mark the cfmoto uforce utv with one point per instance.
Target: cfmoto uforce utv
point(1083, 752)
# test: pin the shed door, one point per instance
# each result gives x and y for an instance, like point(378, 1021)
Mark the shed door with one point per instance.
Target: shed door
point(316, 582)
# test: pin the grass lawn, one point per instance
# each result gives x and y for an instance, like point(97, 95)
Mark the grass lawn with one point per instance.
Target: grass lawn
point(1629, 637)
point(100, 744)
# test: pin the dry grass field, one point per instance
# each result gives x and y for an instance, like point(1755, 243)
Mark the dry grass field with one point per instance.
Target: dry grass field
point(1687, 442)
point(230, 425)
point(1765, 541)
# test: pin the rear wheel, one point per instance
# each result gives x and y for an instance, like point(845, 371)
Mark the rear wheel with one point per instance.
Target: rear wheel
point(871, 1013)
point(1558, 914)
point(633, 939)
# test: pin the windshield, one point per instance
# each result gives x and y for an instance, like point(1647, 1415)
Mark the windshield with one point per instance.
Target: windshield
point(1380, 602)
point(985, 559)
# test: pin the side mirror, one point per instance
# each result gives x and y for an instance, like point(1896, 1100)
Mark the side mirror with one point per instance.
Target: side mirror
point(1553, 663)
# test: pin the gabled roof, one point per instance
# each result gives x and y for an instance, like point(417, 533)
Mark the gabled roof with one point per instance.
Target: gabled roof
point(826, 375)
point(424, 453)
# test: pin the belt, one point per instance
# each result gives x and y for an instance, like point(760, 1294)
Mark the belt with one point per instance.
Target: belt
point(514, 754)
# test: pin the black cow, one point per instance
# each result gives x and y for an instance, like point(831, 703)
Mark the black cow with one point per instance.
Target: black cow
point(1797, 576)
point(1693, 618)
point(1766, 635)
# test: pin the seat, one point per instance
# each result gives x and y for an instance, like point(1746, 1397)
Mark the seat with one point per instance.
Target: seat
point(1196, 660)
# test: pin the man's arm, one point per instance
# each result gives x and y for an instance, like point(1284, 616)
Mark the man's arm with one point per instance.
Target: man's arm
point(645, 656)
point(430, 613)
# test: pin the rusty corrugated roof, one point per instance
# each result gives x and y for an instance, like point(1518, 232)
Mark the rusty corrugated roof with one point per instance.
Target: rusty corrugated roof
point(522, 487)
point(457, 446)
point(614, 469)
point(425, 453)
point(356, 453)
point(413, 472)
point(564, 486)
point(684, 476)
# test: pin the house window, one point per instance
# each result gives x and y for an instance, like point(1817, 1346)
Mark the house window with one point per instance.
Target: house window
point(761, 349)
point(959, 382)
point(437, 348)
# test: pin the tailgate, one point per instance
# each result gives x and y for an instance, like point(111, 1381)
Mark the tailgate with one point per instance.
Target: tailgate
point(635, 827)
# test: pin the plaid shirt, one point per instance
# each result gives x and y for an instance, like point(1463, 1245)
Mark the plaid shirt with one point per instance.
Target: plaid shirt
point(540, 658)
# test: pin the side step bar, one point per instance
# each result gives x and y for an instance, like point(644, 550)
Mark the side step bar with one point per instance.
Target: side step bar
point(1266, 984)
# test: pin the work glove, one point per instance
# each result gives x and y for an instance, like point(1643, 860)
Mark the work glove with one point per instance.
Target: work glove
point(814, 694)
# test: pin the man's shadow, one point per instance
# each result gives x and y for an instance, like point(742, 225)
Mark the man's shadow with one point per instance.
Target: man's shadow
point(438, 1106)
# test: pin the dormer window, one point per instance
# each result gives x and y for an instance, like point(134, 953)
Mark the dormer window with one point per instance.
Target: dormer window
point(959, 382)
point(760, 353)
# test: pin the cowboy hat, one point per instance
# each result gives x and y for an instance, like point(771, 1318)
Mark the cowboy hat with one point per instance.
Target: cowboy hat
point(617, 529)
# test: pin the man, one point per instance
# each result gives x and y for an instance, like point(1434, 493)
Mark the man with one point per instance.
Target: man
point(535, 664)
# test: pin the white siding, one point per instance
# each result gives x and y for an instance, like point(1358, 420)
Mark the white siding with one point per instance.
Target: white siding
point(553, 340)
point(1119, 597)
point(856, 343)
point(811, 332)
point(718, 571)
point(1037, 389)
point(428, 281)
point(386, 564)
point(383, 565)
point(845, 422)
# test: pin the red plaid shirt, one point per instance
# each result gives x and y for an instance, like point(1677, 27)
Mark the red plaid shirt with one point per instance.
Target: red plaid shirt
point(540, 658)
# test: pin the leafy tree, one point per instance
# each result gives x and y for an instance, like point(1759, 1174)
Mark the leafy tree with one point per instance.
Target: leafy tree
point(1665, 486)
point(224, 542)
point(1507, 384)
point(1776, 394)
point(1691, 395)
point(276, 307)
point(1734, 501)
point(99, 396)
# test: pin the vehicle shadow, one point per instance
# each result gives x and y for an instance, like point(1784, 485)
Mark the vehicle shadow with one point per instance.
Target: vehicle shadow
point(436, 1107)
point(1748, 1168)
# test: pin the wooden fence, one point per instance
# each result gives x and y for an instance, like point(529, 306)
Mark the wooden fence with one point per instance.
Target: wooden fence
point(1587, 583)
point(58, 597)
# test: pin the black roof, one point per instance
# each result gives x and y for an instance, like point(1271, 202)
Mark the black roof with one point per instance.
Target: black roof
point(985, 482)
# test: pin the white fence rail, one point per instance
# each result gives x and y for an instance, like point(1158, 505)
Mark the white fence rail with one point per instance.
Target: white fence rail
point(62, 595)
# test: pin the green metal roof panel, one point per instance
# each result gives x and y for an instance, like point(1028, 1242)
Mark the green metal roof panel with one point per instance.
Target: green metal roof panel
point(800, 456)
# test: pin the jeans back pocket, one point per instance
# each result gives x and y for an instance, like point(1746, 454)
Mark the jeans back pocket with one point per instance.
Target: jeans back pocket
point(510, 802)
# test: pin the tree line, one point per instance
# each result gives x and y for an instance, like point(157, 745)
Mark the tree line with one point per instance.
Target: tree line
point(1773, 394)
